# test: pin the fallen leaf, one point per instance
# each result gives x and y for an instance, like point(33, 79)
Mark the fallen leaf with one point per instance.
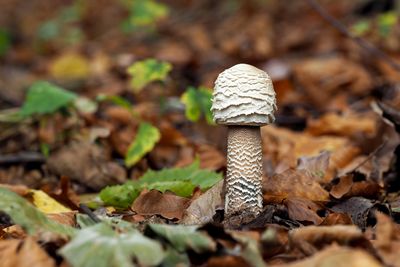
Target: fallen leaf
point(184, 238)
point(70, 66)
point(24, 253)
point(45, 203)
point(202, 209)
point(168, 205)
point(338, 257)
point(293, 183)
point(106, 247)
point(344, 125)
point(361, 210)
point(311, 238)
point(87, 164)
point(21, 190)
point(303, 210)
point(387, 241)
point(342, 187)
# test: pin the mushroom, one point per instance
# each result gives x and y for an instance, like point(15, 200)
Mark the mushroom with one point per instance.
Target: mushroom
point(244, 100)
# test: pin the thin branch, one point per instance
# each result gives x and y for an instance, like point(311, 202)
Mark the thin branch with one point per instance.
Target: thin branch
point(360, 41)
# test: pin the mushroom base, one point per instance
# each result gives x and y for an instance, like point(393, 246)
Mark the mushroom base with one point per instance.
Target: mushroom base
point(244, 171)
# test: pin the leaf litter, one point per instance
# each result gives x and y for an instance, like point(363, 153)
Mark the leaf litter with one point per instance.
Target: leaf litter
point(112, 158)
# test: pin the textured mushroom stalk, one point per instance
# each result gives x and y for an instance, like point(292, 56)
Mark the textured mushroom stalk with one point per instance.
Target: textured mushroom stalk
point(244, 100)
point(243, 178)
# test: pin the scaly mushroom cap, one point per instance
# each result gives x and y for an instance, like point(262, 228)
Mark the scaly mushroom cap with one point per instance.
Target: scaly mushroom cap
point(243, 95)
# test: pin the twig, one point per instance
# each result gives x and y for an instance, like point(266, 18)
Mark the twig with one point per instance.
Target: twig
point(360, 41)
point(89, 212)
point(373, 153)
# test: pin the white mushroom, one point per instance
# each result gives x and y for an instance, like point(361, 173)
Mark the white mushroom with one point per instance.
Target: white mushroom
point(244, 100)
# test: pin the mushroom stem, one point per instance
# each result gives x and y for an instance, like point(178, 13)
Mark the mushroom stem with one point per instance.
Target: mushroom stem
point(244, 170)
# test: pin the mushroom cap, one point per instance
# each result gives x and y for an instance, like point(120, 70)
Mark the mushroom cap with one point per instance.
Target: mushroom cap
point(243, 95)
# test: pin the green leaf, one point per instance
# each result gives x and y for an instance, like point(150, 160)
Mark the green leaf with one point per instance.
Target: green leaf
point(5, 42)
point(45, 98)
point(202, 178)
point(147, 71)
point(180, 188)
point(101, 246)
point(120, 196)
point(198, 102)
point(386, 21)
point(115, 99)
point(146, 137)
point(361, 27)
point(181, 181)
point(174, 258)
point(29, 217)
point(145, 13)
point(184, 237)
point(250, 250)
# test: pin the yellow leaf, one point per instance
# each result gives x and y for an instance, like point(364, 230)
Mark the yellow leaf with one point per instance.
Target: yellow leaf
point(45, 203)
point(70, 66)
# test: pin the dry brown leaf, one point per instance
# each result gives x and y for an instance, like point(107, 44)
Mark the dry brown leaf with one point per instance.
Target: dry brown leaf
point(67, 218)
point(293, 183)
point(338, 257)
point(334, 218)
point(342, 187)
point(344, 125)
point(202, 209)
point(285, 147)
point(310, 239)
point(23, 253)
point(387, 241)
point(21, 190)
point(87, 164)
point(322, 78)
point(303, 210)
point(168, 205)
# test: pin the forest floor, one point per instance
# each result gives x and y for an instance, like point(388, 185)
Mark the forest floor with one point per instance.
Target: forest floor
point(109, 155)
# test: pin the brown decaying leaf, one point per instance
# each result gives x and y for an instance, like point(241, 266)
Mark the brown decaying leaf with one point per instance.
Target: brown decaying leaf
point(338, 257)
point(361, 210)
point(328, 73)
point(293, 183)
point(387, 241)
point(310, 239)
point(21, 190)
point(303, 210)
point(86, 164)
point(24, 253)
point(334, 218)
point(167, 205)
point(202, 209)
point(67, 218)
point(343, 125)
point(285, 147)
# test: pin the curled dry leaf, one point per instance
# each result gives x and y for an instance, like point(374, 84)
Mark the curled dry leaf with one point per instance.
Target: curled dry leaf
point(203, 208)
point(168, 205)
point(347, 188)
point(26, 253)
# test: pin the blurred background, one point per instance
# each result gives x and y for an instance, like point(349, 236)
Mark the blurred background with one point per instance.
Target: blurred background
point(132, 61)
